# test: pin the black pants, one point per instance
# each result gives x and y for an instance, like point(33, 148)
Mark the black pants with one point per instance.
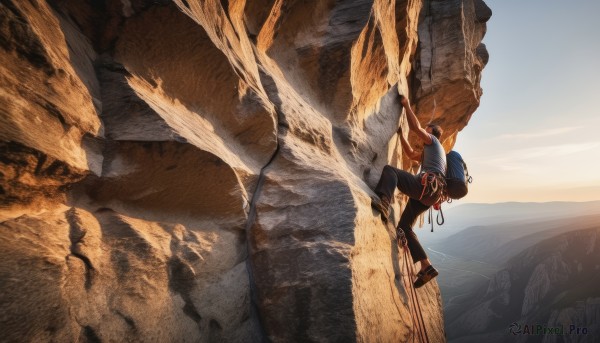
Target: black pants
point(409, 184)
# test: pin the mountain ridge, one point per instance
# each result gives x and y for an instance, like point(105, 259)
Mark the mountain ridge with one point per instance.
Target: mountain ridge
point(542, 284)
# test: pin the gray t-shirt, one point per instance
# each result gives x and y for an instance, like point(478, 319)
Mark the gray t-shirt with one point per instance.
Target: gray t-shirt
point(434, 157)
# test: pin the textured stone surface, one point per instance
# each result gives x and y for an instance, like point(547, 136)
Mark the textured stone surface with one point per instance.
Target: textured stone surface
point(449, 62)
point(202, 170)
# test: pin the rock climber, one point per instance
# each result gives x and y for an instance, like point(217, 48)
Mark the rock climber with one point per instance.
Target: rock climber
point(424, 189)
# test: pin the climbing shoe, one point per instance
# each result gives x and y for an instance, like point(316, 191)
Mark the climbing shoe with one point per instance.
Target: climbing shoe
point(425, 276)
point(382, 205)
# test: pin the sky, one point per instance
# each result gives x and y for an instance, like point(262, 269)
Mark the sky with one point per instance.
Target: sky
point(536, 134)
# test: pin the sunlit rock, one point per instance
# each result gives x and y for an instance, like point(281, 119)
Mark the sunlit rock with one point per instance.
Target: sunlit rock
point(196, 170)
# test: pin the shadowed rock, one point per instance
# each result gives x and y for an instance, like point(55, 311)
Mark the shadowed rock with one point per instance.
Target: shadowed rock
point(202, 170)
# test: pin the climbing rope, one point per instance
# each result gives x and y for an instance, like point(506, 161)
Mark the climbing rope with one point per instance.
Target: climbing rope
point(418, 325)
point(401, 243)
point(418, 314)
point(423, 330)
point(412, 308)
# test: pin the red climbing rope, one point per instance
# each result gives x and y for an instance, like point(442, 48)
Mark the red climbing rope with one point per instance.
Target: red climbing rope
point(411, 304)
point(416, 305)
point(416, 325)
point(418, 309)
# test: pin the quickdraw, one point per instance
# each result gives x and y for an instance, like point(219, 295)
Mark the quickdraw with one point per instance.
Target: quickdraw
point(434, 184)
point(439, 219)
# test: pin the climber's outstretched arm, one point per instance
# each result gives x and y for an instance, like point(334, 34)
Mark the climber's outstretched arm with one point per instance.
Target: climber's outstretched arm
point(407, 148)
point(413, 122)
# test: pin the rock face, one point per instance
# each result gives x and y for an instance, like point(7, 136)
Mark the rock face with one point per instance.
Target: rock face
point(553, 284)
point(449, 62)
point(195, 170)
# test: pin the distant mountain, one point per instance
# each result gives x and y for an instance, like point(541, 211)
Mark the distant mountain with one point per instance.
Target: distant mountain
point(469, 256)
point(553, 284)
point(499, 212)
point(497, 243)
point(463, 216)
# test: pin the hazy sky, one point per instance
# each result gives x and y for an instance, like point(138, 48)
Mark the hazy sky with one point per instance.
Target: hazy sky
point(536, 134)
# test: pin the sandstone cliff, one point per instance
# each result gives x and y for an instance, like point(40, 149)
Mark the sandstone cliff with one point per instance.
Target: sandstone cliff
point(195, 170)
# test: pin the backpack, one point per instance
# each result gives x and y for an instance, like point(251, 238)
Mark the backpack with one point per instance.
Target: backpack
point(457, 181)
point(457, 176)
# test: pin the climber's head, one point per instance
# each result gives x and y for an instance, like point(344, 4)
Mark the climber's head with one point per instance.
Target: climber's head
point(435, 130)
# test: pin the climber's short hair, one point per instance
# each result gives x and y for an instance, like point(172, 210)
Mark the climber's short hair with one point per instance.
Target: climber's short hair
point(436, 130)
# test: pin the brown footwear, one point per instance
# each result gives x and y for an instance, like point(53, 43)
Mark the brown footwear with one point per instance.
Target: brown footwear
point(382, 205)
point(425, 276)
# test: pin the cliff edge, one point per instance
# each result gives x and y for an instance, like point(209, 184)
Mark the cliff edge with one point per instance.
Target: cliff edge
point(201, 171)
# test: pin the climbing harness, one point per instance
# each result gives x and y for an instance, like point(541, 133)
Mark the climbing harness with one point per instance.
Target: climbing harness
point(433, 184)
